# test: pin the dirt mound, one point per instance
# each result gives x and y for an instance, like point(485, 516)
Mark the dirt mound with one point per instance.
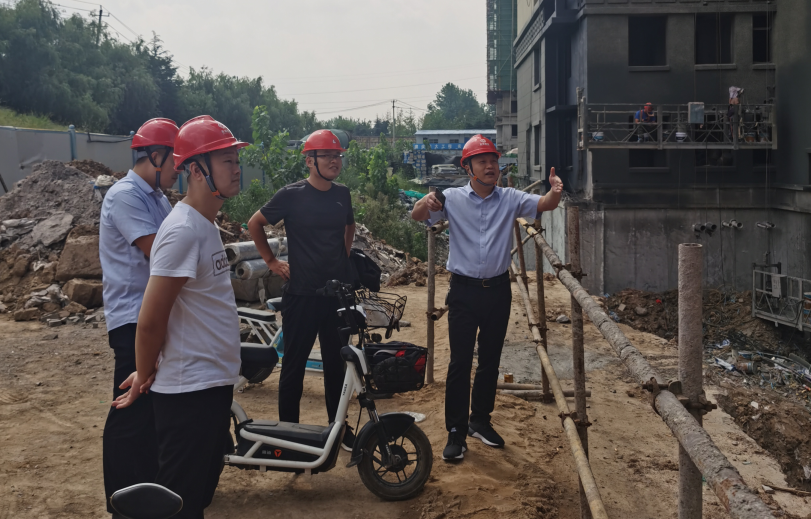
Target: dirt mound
point(91, 167)
point(727, 315)
point(415, 271)
point(777, 425)
point(173, 195)
point(52, 187)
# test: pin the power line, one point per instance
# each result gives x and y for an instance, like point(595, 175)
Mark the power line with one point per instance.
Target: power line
point(115, 31)
point(381, 88)
point(355, 76)
point(350, 109)
point(74, 8)
point(125, 25)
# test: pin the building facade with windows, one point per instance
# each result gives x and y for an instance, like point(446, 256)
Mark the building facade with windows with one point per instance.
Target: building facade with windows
point(501, 79)
point(645, 177)
point(444, 143)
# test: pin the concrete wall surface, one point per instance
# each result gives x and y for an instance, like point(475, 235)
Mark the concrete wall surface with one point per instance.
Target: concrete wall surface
point(21, 149)
point(639, 247)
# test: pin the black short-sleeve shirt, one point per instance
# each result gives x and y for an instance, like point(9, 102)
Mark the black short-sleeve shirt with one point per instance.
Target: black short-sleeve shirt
point(315, 222)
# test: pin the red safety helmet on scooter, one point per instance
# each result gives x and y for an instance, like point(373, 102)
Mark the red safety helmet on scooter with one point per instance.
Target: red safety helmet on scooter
point(153, 135)
point(478, 145)
point(201, 136)
point(322, 140)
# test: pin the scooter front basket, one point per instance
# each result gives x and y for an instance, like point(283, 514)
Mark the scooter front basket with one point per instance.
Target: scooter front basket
point(396, 367)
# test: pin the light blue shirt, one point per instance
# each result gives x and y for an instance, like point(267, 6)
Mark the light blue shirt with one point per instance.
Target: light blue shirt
point(131, 209)
point(481, 230)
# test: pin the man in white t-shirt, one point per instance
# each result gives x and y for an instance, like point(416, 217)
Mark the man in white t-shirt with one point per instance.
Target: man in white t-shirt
point(189, 323)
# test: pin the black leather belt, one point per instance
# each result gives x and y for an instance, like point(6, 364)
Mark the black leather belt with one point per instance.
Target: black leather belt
point(485, 283)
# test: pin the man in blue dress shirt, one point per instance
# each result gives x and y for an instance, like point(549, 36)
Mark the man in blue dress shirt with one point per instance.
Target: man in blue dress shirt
point(481, 217)
point(131, 214)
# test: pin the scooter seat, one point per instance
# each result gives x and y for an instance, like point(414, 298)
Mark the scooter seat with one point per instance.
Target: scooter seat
point(256, 315)
point(275, 304)
point(312, 435)
point(258, 361)
point(258, 356)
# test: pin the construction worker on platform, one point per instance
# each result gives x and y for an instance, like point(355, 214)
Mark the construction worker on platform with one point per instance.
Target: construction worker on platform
point(481, 217)
point(189, 321)
point(320, 227)
point(132, 211)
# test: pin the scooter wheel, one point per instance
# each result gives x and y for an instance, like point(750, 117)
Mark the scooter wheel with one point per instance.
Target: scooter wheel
point(406, 478)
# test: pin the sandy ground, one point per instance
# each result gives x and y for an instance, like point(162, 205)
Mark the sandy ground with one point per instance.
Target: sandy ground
point(54, 396)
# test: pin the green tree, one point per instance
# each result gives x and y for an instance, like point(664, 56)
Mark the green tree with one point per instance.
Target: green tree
point(379, 180)
point(281, 164)
point(457, 109)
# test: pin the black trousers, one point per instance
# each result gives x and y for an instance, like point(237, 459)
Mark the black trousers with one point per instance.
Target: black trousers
point(193, 436)
point(129, 446)
point(472, 310)
point(304, 317)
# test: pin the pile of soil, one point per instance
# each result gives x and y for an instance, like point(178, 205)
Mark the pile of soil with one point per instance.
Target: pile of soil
point(52, 187)
point(415, 271)
point(173, 195)
point(727, 315)
point(778, 426)
point(92, 168)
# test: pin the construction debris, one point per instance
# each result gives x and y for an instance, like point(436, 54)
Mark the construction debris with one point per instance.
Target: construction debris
point(95, 169)
point(52, 188)
point(777, 425)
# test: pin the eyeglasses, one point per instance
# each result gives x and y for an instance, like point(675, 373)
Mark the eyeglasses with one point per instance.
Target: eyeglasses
point(330, 158)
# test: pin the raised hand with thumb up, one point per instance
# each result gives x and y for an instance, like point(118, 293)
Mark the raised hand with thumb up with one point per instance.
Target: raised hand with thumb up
point(555, 183)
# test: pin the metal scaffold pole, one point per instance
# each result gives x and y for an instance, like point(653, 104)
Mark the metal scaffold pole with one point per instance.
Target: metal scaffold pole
point(547, 396)
point(429, 368)
point(690, 356)
point(578, 354)
point(722, 477)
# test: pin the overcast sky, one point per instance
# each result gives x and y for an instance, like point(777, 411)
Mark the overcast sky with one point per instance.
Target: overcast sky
point(329, 55)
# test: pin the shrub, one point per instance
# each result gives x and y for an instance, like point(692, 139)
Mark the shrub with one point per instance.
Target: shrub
point(391, 222)
point(241, 207)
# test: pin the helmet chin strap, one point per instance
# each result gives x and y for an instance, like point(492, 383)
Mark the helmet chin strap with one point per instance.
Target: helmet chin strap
point(474, 177)
point(210, 181)
point(315, 159)
point(157, 167)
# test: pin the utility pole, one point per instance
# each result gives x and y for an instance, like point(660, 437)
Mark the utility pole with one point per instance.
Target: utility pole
point(98, 33)
point(393, 124)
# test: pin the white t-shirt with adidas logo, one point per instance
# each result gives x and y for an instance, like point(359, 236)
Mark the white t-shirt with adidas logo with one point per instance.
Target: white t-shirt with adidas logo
point(202, 341)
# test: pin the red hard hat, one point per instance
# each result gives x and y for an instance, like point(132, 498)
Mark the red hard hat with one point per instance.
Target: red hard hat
point(322, 140)
point(202, 135)
point(477, 145)
point(155, 132)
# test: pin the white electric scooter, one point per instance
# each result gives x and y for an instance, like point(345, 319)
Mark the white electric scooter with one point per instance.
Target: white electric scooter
point(393, 455)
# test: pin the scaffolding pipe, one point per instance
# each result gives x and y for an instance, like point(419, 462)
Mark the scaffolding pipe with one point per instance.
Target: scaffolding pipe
point(578, 354)
point(721, 476)
point(581, 461)
point(429, 366)
point(437, 314)
point(534, 394)
point(541, 312)
point(515, 249)
point(520, 250)
point(690, 355)
point(439, 226)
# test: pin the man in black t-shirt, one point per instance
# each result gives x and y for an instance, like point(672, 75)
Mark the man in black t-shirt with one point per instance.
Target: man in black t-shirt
point(320, 228)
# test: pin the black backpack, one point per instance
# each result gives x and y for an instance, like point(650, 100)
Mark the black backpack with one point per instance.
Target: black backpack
point(365, 272)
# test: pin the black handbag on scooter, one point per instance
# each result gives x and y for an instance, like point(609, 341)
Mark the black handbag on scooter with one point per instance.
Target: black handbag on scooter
point(365, 272)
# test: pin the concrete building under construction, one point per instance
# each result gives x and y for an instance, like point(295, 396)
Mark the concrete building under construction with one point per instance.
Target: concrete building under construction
point(501, 78)
point(721, 155)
